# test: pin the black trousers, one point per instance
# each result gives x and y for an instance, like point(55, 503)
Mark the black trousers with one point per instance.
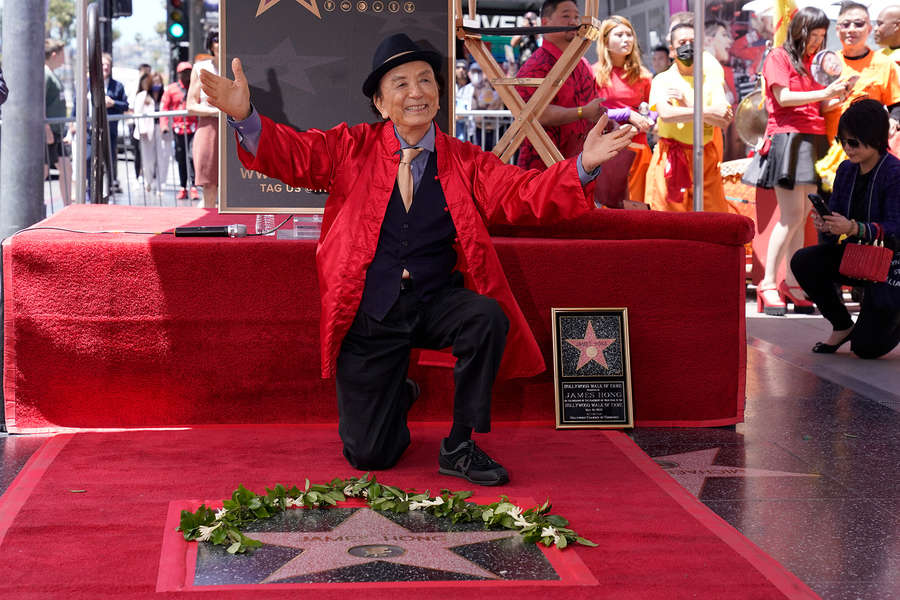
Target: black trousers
point(374, 359)
point(184, 157)
point(877, 329)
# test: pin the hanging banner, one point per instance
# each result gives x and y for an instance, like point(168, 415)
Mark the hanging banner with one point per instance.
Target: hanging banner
point(305, 61)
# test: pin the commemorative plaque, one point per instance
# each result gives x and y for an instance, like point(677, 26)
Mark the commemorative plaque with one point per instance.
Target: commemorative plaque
point(592, 368)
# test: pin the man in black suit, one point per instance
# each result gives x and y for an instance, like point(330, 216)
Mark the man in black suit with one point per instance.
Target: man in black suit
point(116, 104)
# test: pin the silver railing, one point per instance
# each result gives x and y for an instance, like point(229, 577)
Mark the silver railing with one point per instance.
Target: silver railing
point(482, 127)
point(132, 193)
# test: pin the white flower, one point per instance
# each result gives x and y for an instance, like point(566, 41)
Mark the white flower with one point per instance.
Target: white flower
point(348, 490)
point(416, 505)
point(522, 523)
point(206, 532)
point(550, 532)
point(220, 514)
point(291, 502)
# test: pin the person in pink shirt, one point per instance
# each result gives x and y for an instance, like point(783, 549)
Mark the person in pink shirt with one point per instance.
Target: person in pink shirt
point(625, 85)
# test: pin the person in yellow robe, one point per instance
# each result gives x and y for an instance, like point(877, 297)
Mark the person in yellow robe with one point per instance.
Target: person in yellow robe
point(669, 185)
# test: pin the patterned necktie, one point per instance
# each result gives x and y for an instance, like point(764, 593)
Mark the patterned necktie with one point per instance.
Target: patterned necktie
point(405, 177)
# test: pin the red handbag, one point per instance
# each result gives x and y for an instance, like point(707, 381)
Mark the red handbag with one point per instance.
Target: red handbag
point(869, 262)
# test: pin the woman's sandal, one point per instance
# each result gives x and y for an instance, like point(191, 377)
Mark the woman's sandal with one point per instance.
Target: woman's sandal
point(795, 294)
point(823, 348)
point(766, 305)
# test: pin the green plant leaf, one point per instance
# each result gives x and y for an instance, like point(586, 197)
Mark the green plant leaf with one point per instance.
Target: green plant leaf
point(556, 520)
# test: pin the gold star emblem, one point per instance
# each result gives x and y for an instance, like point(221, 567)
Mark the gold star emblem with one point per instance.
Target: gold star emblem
point(310, 5)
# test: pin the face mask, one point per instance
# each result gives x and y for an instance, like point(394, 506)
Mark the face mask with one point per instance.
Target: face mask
point(685, 54)
point(155, 88)
point(476, 78)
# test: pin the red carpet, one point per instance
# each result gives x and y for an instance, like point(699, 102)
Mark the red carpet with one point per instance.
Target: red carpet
point(106, 537)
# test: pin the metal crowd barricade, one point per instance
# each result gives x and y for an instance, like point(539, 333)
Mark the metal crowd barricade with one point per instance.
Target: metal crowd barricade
point(480, 127)
point(483, 127)
point(132, 192)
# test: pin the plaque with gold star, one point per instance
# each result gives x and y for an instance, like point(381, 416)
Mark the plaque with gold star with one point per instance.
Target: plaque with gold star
point(592, 368)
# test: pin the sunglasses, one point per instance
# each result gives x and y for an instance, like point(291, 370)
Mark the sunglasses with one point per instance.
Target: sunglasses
point(860, 24)
point(849, 142)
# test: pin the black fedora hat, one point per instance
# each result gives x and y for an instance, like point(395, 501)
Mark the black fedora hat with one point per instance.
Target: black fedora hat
point(394, 51)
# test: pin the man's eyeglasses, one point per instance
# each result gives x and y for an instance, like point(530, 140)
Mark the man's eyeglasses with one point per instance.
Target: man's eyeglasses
point(849, 142)
point(859, 24)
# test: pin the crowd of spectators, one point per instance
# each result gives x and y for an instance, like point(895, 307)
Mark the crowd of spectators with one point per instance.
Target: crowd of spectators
point(153, 140)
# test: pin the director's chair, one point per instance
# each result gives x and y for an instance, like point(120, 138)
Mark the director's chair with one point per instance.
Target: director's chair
point(526, 114)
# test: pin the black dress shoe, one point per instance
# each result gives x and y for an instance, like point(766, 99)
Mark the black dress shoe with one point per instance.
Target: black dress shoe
point(823, 348)
point(471, 462)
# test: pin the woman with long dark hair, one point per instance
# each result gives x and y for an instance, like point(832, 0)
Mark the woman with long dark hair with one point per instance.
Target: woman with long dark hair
point(864, 205)
point(794, 141)
point(625, 84)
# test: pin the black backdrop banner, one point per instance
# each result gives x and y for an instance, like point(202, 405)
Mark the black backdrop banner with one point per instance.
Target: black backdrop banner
point(305, 61)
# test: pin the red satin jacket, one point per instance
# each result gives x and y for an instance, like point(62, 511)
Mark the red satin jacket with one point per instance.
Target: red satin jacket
point(358, 166)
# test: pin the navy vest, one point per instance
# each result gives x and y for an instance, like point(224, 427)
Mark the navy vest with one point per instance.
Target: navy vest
point(420, 241)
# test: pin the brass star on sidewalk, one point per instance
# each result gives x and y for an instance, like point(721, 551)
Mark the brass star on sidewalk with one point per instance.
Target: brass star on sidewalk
point(691, 469)
point(367, 536)
point(591, 348)
point(311, 5)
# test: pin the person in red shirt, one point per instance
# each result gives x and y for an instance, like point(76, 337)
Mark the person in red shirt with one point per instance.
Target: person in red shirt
point(175, 98)
point(795, 140)
point(572, 113)
point(625, 85)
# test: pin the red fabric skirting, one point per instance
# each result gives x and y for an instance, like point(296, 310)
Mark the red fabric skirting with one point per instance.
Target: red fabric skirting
point(120, 330)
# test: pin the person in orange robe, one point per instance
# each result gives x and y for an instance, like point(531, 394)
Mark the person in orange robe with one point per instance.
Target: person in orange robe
point(876, 77)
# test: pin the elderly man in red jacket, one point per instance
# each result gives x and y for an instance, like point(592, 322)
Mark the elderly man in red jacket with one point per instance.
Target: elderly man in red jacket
point(404, 259)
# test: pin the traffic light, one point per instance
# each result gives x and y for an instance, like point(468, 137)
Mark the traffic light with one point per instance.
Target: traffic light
point(177, 27)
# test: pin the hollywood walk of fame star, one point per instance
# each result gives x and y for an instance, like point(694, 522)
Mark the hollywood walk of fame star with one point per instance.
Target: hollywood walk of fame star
point(285, 61)
point(311, 5)
point(691, 469)
point(375, 537)
point(591, 348)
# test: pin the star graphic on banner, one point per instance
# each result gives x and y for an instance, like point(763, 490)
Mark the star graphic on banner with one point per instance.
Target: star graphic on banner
point(367, 536)
point(310, 5)
point(691, 469)
point(285, 61)
point(591, 348)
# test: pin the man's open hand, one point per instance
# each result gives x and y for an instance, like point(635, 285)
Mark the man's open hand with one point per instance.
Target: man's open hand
point(230, 96)
point(599, 147)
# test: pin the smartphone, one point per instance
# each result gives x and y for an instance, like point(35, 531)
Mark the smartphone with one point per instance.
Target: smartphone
point(819, 205)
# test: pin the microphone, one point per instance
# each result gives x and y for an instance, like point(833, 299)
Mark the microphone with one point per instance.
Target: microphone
point(212, 231)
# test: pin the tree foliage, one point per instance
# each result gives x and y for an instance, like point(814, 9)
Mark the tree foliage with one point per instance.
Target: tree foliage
point(61, 20)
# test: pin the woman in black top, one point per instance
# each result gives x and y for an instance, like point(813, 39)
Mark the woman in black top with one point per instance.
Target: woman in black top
point(866, 199)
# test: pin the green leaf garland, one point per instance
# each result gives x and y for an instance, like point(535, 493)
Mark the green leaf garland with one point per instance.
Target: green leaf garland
point(223, 527)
